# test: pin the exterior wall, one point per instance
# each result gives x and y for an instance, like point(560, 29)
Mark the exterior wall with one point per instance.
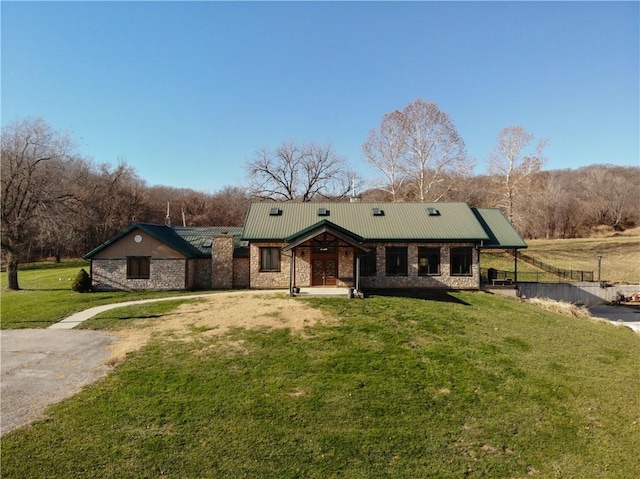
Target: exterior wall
point(200, 273)
point(164, 274)
point(128, 246)
point(303, 267)
point(222, 262)
point(346, 267)
point(442, 281)
point(241, 272)
point(268, 279)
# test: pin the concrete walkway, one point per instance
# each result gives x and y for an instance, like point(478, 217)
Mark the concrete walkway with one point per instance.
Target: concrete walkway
point(72, 321)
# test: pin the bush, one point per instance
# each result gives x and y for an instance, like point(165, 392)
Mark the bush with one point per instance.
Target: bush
point(82, 283)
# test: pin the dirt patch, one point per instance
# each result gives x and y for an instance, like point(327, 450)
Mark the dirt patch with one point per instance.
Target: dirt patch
point(217, 315)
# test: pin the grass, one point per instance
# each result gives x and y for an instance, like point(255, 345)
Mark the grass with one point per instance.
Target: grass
point(46, 296)
point(461, 385)
point(620, 262)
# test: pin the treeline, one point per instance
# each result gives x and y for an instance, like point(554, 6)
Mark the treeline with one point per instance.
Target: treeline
point(56, 203)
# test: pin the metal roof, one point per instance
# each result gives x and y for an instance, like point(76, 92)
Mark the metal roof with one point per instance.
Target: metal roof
point(501, 232)
point(375, 221)
point(188, 241)
point(199, 236)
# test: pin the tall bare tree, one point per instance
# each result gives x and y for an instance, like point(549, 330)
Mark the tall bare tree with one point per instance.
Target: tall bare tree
point(294, 172)
point(514, 163)
point(32, 157)
point(386, 150)
point(436, 152)
point(419, 153)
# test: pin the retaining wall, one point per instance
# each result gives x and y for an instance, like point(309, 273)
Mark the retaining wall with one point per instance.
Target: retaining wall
point(587, 293)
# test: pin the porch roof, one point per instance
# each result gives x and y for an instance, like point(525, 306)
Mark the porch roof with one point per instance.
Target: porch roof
point(321, 227)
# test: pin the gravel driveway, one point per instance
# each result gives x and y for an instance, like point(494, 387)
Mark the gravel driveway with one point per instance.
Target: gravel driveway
point(40, 367)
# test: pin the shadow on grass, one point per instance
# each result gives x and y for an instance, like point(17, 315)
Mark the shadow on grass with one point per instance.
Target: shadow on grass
point(443, 296)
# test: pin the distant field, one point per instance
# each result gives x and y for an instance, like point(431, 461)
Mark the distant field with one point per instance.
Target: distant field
point(620, 257)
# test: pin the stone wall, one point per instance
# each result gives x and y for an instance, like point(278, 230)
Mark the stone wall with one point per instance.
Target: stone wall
point(268, 279)
point(241, 272)
point(222, 262)
point(412, 280)
point(164, 275)
point(200, 273)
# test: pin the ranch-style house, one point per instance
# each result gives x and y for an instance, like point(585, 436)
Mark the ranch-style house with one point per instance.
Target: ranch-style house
point(360, 245)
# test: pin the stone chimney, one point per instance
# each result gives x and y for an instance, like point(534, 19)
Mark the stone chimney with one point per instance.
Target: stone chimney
point(222, 261)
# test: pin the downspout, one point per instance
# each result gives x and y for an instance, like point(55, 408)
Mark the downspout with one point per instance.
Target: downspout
point(357, 285)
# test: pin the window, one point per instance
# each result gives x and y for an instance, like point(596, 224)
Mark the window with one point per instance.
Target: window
point(368, 263)
point(269, 259)
point(461, 261)
point(396, 260)
point(138, 267)
point(428, 261)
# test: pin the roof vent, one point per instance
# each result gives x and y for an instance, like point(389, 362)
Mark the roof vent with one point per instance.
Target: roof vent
point(433, 212)
point(244, 244)
point(275, 212)
point(323, 212)
point(207, 243)
point(377, 212)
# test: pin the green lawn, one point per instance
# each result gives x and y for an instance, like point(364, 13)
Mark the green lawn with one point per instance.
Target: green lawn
point(46, 296)
point(460, 385)
point(620, 258)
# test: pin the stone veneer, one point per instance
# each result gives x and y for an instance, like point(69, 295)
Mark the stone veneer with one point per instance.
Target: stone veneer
point(268, 279)
point(222, 262)
point(443, 281)
point(164, 275)
point(241, 272)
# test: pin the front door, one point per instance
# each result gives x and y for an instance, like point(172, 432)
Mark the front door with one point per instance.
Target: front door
point(324, 270)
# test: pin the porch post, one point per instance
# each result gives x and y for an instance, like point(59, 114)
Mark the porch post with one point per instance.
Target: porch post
point(291, 271)
point(515, 265)
point(357, 283)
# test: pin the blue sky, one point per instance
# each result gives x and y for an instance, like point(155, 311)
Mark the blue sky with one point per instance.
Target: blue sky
point(186, 92)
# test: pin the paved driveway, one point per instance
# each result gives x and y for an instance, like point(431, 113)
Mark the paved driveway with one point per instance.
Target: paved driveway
point(40, 367)
point(622, 315)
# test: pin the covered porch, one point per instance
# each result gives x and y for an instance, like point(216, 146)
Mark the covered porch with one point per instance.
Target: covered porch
point(325, 256)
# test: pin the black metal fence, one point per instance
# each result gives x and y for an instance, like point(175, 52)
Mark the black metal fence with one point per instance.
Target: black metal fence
point(560, 273)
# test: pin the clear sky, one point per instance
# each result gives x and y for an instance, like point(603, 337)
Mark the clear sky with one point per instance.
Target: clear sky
point(186, 92)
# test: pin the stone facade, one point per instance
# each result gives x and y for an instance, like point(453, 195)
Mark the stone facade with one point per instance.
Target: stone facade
point(200, 273)
point(222, 262)
point(268, 279)
point(445, 280)
point(164, 275)
point(241, 272)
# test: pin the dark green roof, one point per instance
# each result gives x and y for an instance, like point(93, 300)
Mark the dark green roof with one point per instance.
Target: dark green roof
point(371, 221)
point(502, 234)
point(378, 221)
point(190, 241)
point(200, 236)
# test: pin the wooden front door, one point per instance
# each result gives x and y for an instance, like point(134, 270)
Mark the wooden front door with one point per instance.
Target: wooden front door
point(324, 270)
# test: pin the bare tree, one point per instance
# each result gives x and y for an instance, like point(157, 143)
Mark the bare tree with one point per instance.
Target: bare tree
point(419, 152)
point(386, 150)
point(32, 157)
point(293, 172)
point(515, 166)
point(436, 152)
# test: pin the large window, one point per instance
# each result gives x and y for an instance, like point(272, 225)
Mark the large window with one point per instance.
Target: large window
point(269, 259)
point(396, 261)
point(138, 267)
point(428, 261)
point(368, 263)
point(461, 261)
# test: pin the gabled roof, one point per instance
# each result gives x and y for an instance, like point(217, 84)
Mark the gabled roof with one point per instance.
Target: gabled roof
point(320, 227)
point(376, 221)
point(200, 236)
point(501, 232)
point(190, 241)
